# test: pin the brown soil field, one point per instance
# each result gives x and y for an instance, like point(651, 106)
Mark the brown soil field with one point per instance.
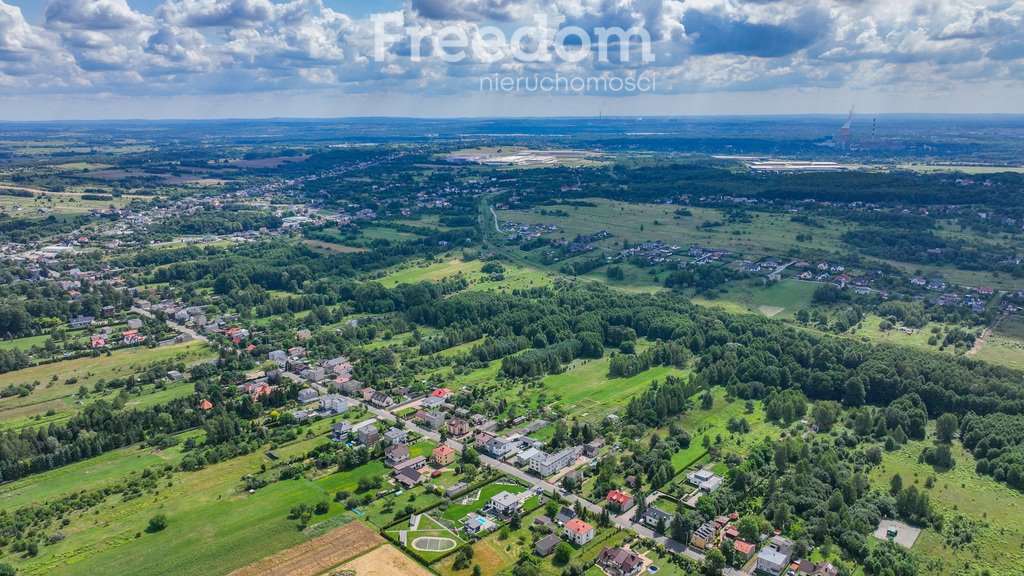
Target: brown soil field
point(384, 561)
point(318, 555)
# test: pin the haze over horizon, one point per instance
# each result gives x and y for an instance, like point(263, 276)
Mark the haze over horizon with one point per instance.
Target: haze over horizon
point(206, 59)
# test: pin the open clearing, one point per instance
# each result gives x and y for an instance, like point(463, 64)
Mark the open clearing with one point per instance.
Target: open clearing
point(906, 534)
point(317, 555)
point(1005, 345)
point(993, 506)
point(385, 561)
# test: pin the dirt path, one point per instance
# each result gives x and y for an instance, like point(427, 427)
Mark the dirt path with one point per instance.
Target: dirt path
point(980, 341)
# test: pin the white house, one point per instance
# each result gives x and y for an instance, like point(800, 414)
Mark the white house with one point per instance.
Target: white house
point(578, 531)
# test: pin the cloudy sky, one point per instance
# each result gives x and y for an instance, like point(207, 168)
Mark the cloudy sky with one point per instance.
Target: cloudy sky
point(62, 59)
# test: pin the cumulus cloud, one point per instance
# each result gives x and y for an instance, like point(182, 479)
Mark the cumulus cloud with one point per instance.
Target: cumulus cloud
point(221, 13)
point(257, 45)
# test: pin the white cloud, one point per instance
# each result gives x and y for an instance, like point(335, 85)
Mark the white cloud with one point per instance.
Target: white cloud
point(248, 46)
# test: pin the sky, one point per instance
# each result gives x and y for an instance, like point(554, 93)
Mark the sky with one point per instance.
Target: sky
point(156, 59)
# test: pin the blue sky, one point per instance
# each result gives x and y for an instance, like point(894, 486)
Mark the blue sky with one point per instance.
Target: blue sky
point(90, 59)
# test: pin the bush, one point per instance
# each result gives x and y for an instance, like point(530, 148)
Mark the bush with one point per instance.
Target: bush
point(157, 523)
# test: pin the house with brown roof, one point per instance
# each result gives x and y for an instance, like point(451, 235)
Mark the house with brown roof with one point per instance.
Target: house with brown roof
point(620, 562)
point(457, 427)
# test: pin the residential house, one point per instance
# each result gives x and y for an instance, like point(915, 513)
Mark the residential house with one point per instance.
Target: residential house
point(315, 374)
point(278, 356)
point(307, 395)
point(443, 455)
point(619, 501)
point(706, 480)
point(347, 386)
point(442, 393)
point(334, 404)
point(620, 562)
point(774, 558)
point(339, 432)
point(704, 536)
point(396, 436)
point(435, 420)
point(134, 323)
point(408, 477)
point(546, 545)
point(368, 435)
point(564, 515)
point(545, 465)
point(396, 454)
point(457, 427)
point(523, 458)
point(415, 463)
point(590, 449)
point(431, 402)
point(82, 321)
point(506, 503)
point(205, 405)
point(381, 400)
point(654, 516)
point(500, 447)
point(744, 549)
point(579, 531)
point(483, 438)
point(771, 561)
point(476, 525)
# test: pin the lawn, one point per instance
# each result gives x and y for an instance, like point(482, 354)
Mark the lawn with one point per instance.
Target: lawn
point(457, 511)
point(997, 509)
point(349, 480)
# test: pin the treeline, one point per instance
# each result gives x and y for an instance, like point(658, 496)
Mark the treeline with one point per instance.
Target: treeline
point(660, 402)
point(661, 354)
point(743, 353)
point(103, 426)
point(700, 278)
point(997, 442)
point(926, 247)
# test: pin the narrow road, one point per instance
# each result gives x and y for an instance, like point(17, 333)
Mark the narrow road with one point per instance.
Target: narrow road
point(173, 325)
point(623, 521)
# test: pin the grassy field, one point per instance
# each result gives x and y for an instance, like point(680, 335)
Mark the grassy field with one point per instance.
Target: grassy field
point(110, 539)
point(777, 300)
point(1005, 346)
point(699, 422)
point(56, 399)
point(514, 277)
point(588, 392)
point(870, 331)
point(997, 509)
point(88, 474)
point(767, 234)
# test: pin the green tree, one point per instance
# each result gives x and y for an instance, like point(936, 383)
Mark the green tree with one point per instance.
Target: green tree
point(563, 553)
point(895, 484)
point(946, 427)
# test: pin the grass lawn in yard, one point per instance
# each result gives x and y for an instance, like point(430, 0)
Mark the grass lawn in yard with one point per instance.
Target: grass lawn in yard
point(475, 501)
